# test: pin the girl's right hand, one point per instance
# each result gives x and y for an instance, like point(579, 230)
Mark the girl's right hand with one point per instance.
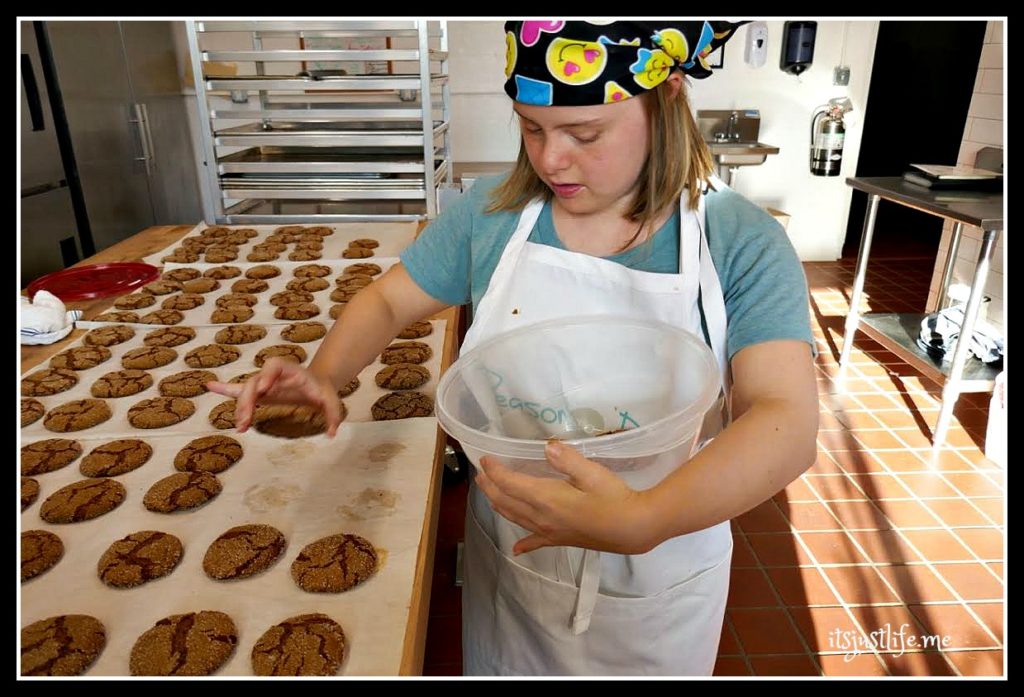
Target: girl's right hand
point(281, 382)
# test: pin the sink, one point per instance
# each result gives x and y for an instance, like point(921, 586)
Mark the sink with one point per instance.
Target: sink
point(739, 153)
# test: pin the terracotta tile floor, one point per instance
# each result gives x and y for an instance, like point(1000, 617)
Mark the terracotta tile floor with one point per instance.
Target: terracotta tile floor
point(878, 538)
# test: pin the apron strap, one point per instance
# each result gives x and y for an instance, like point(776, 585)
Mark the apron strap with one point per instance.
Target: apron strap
point(586, 596)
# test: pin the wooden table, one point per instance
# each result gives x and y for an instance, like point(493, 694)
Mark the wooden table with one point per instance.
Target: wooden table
point(156, 238)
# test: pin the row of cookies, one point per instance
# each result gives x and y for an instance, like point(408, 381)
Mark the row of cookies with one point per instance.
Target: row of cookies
point(87, 385)
point(224, 243)
point(262, 294)
point(193, 643)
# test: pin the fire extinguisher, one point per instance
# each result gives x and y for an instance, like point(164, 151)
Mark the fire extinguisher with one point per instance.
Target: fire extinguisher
point(828, 133)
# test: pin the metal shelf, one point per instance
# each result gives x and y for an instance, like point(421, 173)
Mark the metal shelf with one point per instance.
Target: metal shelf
point(898, 333)
point(344, 134)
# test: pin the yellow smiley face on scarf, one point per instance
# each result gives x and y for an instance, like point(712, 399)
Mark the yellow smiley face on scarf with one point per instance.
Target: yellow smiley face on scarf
point(576, 62)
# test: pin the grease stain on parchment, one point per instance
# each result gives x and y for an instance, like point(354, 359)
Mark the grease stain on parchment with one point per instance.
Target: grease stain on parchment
point(261, 498)
point(370, 503)
point(290, 453)
point(384, 452)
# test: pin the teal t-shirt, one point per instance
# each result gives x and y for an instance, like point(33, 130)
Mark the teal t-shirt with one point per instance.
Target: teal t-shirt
point(762, 280)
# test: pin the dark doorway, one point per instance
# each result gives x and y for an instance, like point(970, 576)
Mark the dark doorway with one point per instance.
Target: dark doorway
point(920, 92)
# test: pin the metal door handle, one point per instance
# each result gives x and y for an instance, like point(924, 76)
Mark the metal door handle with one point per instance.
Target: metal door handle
point(148, 131)
point(144, 142)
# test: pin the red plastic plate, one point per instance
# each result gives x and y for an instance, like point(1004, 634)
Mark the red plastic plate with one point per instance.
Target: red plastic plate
point(96, 280)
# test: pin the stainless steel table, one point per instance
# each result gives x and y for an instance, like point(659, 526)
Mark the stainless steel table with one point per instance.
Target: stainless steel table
point(898, 332)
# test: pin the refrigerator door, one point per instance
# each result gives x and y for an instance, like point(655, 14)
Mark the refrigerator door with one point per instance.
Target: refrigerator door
point(156, 84)
point(47, 231)
point(91, 70)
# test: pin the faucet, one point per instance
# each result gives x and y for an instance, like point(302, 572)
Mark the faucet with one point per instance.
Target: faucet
point(730, 133)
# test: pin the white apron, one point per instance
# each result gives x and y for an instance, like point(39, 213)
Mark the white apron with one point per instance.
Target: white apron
point(565, 610)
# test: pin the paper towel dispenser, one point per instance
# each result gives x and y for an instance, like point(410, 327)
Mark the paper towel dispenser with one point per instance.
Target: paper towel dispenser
point(797, 46)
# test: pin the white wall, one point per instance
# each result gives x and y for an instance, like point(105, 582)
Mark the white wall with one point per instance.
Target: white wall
point(483, 130)
point(984, 128)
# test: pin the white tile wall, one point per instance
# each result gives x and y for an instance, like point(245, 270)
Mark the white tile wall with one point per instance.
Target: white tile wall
point(984, 127)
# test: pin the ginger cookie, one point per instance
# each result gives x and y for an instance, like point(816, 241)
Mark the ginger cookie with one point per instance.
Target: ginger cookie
point(116, 317)
point(48, 381)
point(311, 271)
point(290, 297)
point(222, 272)
point(289, 421)
point(222, 416)
point(138, 558)
point(172, 336)
point(336, 310)
point(401, 405)
point(80, 358)
point(262, 255)
point(344, 295)
point(406, 352)
point(108, 336)
point(82, 500)
point(148, 357)
point(416, 330)
point(299, 311)
point(318, 230)
point(162, 287)
point(307, 285)
point(311, 644)
point(182, 275)
point(181, 491)
point(243, 377)
point(219, 255)
point(301, 332)
point(334, 564)
point(116, 457)
point(135, 301)
point(304, 255)
point(263, 271)
point(77, 415)
point(121, 383)
point(240, 334)
point(357, 253)
point(211, 356)
point(31, 411)
point(402, 376)
point(188, 383)
point(162, 317)
point(184, 301)
point(40, 551)
point(353, 281)
point(249, 285)
point(312, 244)
point(231, 314)
point(233, 299)
point(289, 352)
point(365, 243)
point(348, 389)
point(212, 454)
point(48, 455)
point(362, 268)
point(181, 255)
point(200, 286)
point(61, 645)
point(270, 245)
point(160, 412)
point(29, 492)
point(196, 643)
point(242, 551)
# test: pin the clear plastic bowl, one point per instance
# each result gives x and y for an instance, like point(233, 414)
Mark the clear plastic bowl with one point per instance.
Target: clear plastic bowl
point(630, 394)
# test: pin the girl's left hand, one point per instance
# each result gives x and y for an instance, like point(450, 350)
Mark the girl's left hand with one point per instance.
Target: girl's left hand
point(593, 508)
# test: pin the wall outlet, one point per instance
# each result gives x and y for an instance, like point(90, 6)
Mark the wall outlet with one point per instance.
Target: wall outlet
point(841, 75)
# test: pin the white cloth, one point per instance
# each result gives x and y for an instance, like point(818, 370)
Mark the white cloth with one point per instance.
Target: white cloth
point(941, 330)
point(566, 610)
point(44, 319)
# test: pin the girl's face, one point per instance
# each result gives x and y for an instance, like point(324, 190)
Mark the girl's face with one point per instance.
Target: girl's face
point(590, 156)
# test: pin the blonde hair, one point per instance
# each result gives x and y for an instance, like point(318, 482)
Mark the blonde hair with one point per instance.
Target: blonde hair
point(678, 159)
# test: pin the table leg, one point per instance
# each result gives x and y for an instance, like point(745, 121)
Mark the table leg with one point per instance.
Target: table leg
point(947, 271)
point(951, 388)
point(853, 317)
